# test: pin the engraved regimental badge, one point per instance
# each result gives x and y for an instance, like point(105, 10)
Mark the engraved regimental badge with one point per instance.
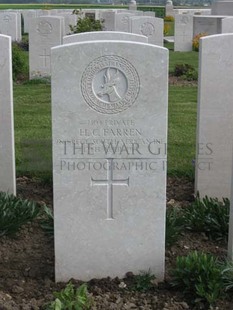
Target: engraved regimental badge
point(44, 28)
point(110, 84)
point(147, 29)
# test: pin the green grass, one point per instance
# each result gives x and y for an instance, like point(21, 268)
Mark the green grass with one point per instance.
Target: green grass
point(181, 130)
point(175, 58)
point(190, 58)
point(32, 109)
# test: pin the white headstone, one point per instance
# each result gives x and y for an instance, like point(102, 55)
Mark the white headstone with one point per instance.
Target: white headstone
point(151, 27)
point(122, 22)
point(27, 15)
point(9, 25)
point(104, 35)
point(149, 13)
point(215, 117)
point(169, 9)
point(108, 20)
point(207, 24)
point(69, 20)
point(132, 5)
point(109, 145)
point(43, 13)
point(222, 8)
point(7, 147)
point(183, 33)
point(135, 13)
point(44, 33)
point(227, 25)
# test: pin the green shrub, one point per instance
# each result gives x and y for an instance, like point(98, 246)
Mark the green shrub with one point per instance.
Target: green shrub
point(86, 24)
point(24, 43)
point(48, 222)
point(186, 71)
point(199, 276)
point(196, 40)
point(227, 276)
point(169, 18)
point(15, 212)
point(174, 225)
point(210, 216)
point(143, 282)
point(18, 62)
point(71, 298)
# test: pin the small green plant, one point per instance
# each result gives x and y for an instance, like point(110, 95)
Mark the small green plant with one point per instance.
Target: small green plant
point(87, 24)
point(71, 298)
point(18, 62)
point(143, 282)
point(174, 225)
point(186, 71)
point(227, 276)
point(166, 29)
point(48, 222)
point(169, 18)
point(210, 216)
point(199, 275)
point(15, 212)
point(24, 43)
point(196, 40)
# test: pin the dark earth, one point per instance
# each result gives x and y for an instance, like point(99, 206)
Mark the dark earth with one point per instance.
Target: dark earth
point(27, 263)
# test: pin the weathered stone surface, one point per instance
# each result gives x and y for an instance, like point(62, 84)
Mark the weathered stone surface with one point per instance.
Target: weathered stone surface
point(104, 35)
point(44, 33)
point(183, 33)
point(7, 148)
point(109, 158)
point(151, 27)
point(215, 117)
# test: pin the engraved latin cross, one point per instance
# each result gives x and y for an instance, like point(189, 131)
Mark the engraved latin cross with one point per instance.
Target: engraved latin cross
point(46, 58)
point(110, 182)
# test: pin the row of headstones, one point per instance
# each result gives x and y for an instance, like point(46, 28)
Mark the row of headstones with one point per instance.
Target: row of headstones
point(46, 32)
point(109, 149)
point(10, 20)
point(188, 26)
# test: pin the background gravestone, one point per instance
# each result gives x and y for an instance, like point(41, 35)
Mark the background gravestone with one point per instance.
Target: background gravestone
point(7, 147)
point(109, 166)
point(104, 35)
point(207, 24)
point(151, 27)
point(227, 25)
point(215, 117)
point(9, 25)
point(122, 21)
point(44, 33)
point(183, 33)
point(108, 18)
point(149, 13)
point(27, 15)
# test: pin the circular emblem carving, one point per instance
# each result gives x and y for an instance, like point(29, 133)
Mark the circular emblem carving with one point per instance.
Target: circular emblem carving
point(44, 28)
point(147, 29)
point(184, 20)
point(110, 84)
point(7, 18)
point(125, 19)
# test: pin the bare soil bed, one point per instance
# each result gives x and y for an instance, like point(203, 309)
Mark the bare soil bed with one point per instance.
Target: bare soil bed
point(27, 263)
